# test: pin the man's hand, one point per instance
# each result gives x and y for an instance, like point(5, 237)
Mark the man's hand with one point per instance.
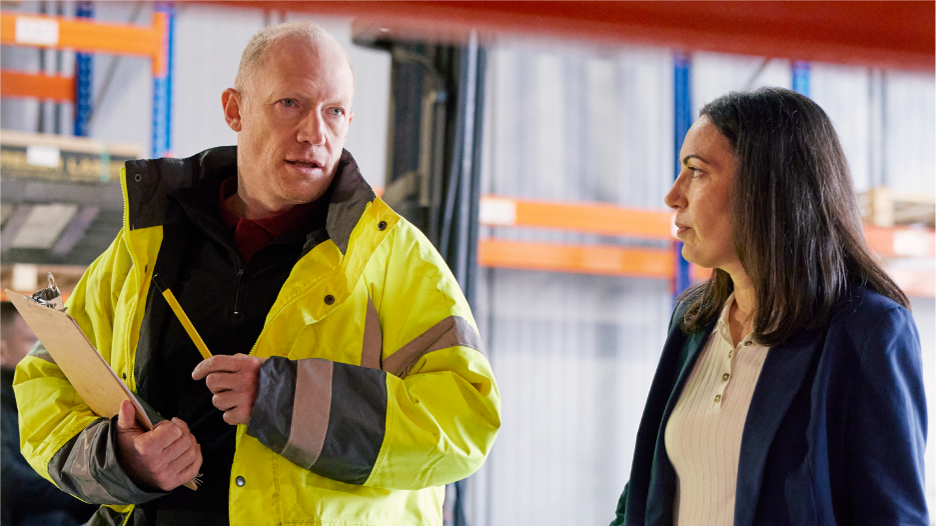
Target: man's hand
point(234, 380)
point(164, 458)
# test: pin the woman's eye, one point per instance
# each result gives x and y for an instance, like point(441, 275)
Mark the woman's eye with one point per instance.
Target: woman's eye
point(694, 172)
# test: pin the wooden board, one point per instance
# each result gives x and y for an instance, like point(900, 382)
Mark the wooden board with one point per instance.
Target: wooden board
point(54, 159)
point(93, 379)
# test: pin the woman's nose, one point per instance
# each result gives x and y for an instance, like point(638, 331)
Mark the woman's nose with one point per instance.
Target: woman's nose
point(674, 198)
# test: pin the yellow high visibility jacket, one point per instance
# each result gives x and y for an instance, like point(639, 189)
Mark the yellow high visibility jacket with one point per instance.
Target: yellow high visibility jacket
point(392, 397)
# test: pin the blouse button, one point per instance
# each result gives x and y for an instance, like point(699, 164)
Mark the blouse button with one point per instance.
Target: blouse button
point(725, 377)
point(749, 342)
point(717, 398)
point(382, 226)
point(329, 299)
point(240, 482)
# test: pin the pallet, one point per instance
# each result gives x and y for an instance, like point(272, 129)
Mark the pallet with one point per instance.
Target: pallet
point(884, 207)
point(66, 277)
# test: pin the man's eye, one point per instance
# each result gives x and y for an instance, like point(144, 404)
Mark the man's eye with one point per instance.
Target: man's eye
point(337, 112)
point(289, 103)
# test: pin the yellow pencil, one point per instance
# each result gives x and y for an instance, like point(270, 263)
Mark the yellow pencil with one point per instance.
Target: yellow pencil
point(183, 318)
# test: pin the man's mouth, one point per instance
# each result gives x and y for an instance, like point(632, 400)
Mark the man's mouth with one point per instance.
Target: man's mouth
point(307, 165)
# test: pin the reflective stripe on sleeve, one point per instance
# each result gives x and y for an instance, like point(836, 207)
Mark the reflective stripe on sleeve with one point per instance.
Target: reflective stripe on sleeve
point(311, 411)
point(451, 331)
point(373, 341)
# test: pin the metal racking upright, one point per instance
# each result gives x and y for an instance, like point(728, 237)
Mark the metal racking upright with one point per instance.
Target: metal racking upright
point(86, 36)
point(800, 73)
point(84, 77)
point(682, 121)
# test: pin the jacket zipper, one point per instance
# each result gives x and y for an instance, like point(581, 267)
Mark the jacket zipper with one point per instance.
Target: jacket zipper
point(128, 358)
point(238, 276)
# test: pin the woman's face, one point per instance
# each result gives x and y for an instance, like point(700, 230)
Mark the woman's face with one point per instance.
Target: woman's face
point(701, 197)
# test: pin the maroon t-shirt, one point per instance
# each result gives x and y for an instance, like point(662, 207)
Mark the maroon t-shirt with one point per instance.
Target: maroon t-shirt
point(252, 235)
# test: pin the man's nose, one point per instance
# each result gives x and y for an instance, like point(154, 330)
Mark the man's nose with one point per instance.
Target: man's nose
point(312, 129)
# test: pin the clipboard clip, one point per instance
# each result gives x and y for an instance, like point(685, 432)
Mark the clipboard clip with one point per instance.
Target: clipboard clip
point(50, 296)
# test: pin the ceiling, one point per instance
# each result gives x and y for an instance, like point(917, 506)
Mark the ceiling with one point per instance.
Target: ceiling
point(887, 34)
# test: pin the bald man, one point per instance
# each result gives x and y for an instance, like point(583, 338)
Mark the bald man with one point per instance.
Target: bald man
point(348, 383)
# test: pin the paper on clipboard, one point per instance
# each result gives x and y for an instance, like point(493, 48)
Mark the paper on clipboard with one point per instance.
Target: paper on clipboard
point(91, 376)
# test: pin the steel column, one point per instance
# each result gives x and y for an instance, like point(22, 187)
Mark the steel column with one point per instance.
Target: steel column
point(84, 77)
point(162, 88)
point(801, 77)
point(682, 118)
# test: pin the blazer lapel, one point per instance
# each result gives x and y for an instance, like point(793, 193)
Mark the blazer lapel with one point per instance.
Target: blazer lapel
point(662, 489)
point(785, 368)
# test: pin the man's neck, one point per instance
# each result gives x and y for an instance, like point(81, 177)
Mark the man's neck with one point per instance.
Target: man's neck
point(253, 211)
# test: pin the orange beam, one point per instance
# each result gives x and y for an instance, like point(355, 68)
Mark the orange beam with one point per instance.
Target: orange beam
point(39, 86)
point(606, 260)
point(636, 262)
point(920, 283)
point(596, 218)
point(581, 259)
point(605, 219)
point(90, 36)
point(901, 242)
point(887, 34)
point(4, 297)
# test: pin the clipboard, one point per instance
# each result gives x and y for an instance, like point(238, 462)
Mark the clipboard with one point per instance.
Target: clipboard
point(91, 376)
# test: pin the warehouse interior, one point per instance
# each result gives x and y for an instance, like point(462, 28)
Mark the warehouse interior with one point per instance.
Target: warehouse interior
point(532, 142)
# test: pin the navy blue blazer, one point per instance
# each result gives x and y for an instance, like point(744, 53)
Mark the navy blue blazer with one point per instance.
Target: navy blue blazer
point(834, 434)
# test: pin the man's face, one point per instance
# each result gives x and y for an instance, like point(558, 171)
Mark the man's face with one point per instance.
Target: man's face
point(292, 122)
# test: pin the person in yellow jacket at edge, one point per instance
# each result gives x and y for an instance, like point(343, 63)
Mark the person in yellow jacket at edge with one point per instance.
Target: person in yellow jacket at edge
point(348, 382)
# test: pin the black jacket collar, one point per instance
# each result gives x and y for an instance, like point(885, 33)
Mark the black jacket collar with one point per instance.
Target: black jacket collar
point(150, 181)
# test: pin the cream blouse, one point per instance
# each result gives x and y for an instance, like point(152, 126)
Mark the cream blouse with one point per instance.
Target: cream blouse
point(703, 434)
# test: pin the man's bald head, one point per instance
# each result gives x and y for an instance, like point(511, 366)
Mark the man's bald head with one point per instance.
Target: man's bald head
point(254, 54)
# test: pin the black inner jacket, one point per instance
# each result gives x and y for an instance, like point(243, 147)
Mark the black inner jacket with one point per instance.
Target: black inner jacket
point(227, 301)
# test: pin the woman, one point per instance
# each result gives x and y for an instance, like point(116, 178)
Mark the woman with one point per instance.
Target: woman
point(789, 390)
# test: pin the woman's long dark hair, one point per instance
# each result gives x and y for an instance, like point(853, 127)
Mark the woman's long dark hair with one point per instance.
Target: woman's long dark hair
point(796, 225)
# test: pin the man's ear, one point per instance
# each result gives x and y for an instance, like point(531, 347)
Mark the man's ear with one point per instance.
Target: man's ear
point(231, 101)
